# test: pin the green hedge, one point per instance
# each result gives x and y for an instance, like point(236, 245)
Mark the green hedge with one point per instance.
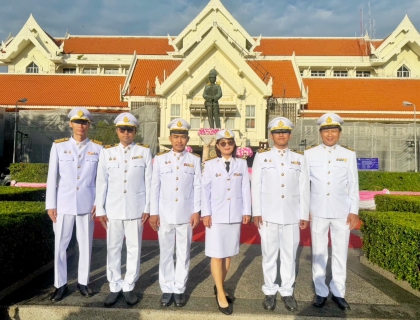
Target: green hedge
point(29, 172)
point(26, 239)
point(21, 194)
point(391, 240)
point(400, 203)
point(393, 181)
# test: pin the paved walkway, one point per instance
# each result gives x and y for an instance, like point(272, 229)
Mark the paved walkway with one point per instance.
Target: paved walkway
point(370, 294)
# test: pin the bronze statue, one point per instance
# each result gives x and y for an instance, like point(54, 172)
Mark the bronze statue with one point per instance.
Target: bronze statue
point(212, 93)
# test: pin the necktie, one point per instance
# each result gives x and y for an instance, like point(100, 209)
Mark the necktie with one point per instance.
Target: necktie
point(227, 165)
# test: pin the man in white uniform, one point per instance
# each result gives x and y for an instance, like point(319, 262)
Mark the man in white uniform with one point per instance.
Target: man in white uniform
point(70, 198)
point(122, 200)
point(280, 204)
point(334, 206)
point(174, 210)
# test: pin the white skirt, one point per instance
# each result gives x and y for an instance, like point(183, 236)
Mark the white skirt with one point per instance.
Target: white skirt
point(222, 240)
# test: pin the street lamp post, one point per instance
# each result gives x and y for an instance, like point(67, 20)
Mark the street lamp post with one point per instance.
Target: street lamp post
point(408, 104)
point(23, 100)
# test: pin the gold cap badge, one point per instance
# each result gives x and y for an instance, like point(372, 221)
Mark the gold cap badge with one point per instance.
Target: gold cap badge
point(179, 124)
point(227, 134)
point(80, 113)
point(126, 120)
point(329, 120)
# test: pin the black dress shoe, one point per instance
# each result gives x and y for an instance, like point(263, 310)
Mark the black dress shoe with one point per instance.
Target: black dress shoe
point(59, 293)
point(290, 303)
point(228, 298)
point(180, 299)
point(166, 299)
point(341, 302)
point(84, 290)
point(319, 301)
point(269, 302)
point(227, 310)
point(130, 298)
point(112, 298)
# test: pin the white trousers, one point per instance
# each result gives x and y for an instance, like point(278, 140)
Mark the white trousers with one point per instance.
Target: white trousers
point(63, 230)
point(133, 231)
point(340, 235)
point(173, 279)
point(274, 238)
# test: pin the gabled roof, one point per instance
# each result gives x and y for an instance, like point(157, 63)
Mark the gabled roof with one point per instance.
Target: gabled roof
point(361, 94)
point(117, 45)
point(285, 83)
point(146, 72)
point(313, 47)
point(62, 90)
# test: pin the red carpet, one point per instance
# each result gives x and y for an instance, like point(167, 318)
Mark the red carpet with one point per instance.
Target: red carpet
point(249, 235)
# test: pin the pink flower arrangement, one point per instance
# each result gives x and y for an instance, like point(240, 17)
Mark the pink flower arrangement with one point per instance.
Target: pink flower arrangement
point(188, 149)
point(207, 131)
point(244, 152)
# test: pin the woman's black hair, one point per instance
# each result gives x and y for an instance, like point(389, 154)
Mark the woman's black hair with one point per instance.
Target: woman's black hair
point(219, 154)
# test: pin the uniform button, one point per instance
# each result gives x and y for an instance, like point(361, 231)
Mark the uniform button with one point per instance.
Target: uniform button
point(176, 189)
point(282, 185)
point(228, 189)
point(329, 151)
point(176, 178)
point(128, 148)
point(80, 156)
point(78, 177)
point(282, 174)
point(77, 188)
point(125, 191)
point(177, 167)
point(125, 170)
point(328, 172)
point(125, 161)
point(176, 200)
point(282, 196)
point(125, 181)
point(282, 164)
point(228, 199)
point(78, 167)
point(328, 194)
point(328, 183)
point(282, 155)
point(125, 151)
point(329, 161)
point(228, 179)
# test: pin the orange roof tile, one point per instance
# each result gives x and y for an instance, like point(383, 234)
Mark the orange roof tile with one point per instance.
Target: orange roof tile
point(361, 93)
point(117, 45)
point(62, 90)
point(284, 78)
point(146, 71)
point(313, 47)
point(372, 116)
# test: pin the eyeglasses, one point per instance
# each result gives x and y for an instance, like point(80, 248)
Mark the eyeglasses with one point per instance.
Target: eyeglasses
point(124, 129)
point(224, 143)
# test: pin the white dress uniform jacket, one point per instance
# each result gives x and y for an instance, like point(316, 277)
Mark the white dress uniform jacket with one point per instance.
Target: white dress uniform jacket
point(225, 195)
point(123, 182)
point(176, 185)
point(283, 198)
point(72, 175)
point(334, 181)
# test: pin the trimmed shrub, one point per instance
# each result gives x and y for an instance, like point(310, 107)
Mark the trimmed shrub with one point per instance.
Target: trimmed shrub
point(400, 203)
point(391, 240)
point(21, 194)
point(26, 239)
point(393, 181)
point(29, 172)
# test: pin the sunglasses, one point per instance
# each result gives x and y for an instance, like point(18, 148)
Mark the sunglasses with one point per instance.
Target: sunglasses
point(124, 129)
point(82, 122)
point(224, 143)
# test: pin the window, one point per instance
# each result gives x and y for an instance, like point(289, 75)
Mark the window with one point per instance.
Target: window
point(111, 71)
point(403, 72)
point(362, 74)
point(230, 123)
point(317, 73)
point(69, 70)
point(90, 70)
point(175, 111)
point(250, 117)
point(340, 73)
point(195, 123)
point(32, 68)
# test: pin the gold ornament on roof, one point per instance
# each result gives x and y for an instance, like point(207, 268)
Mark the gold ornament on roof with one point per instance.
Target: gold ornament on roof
point(179, 124)
point(329, 120)
point(80, 113)
point(126, 120)
point(227, 134)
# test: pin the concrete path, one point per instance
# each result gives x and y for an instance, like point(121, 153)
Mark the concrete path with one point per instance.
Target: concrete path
point(370, 294)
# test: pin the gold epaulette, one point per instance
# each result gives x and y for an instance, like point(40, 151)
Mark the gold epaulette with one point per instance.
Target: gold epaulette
point(61, 140)
point(196, 154)
point(143, 145)
point(263, 150)
point(97, 142)
point(111, 145)
point(312, 146)
point(297, 151)
point(348, 148)
point(163, 152)
point(211, 158)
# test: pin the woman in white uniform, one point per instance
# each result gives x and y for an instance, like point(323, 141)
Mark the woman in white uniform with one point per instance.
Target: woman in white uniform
point(225, 204)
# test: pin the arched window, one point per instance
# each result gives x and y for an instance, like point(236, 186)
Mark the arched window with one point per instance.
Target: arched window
point(403, 72)
point(32, 68)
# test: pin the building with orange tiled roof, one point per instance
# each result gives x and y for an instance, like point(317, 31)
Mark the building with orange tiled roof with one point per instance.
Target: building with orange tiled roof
point(360, 78)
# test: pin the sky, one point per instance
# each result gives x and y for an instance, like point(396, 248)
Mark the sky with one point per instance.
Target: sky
point(281, 18)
